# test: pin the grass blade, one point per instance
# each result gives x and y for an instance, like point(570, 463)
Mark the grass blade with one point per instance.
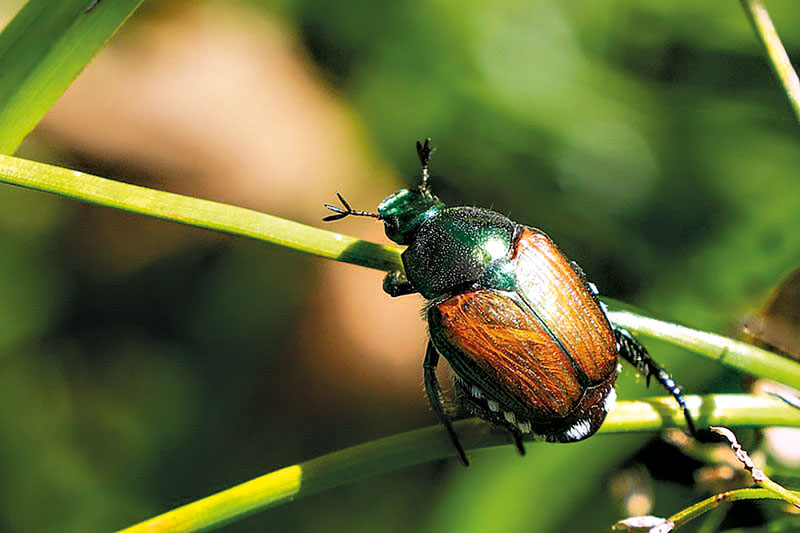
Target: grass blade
point(197, 212)
point(42, 50)
point(776, 53)
point(427, 444)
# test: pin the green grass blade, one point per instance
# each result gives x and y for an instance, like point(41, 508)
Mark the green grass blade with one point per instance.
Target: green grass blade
point(776, 53)
point(690, 513)
point(261, 226)
point(427, 444)
point(731, 353)
point(197, 212)
point(42, 50)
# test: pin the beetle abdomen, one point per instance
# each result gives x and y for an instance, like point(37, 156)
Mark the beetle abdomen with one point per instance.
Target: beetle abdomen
point(558, 296)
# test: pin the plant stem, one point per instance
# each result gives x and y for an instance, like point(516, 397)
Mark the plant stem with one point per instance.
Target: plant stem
point(690, 513)
point(735, 354)
point(778, 58)
point(431, 443)
point(757, 474)
point(197, 212)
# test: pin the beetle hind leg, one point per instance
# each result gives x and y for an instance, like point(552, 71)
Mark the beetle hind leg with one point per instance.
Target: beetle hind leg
point(479, 404)
point(636, 354)
point(434, 393)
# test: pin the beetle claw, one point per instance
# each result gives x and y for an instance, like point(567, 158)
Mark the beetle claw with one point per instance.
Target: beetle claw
point(637, 355)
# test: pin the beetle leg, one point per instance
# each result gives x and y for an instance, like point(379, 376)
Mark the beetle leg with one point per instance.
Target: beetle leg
point(396, 284)
point(434, 392)
point(478, 404)
point(636, 354)
point(518, 442)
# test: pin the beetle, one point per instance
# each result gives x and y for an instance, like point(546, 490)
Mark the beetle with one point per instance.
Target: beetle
point(530, 344)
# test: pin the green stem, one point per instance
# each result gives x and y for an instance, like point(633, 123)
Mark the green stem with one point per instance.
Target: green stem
point(708, 504)
point(758, 475)
point(431, 443)
point(196, 212)
point(734, 354)
point(778, 58)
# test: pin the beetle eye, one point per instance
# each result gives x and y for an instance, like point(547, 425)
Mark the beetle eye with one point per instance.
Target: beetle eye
point(404, 212)
point(392, 227)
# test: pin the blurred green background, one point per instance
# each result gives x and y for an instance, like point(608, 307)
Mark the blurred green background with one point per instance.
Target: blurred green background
point(145, 365)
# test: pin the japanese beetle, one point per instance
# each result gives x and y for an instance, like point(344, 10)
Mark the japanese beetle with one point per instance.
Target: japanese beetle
point(529, 342)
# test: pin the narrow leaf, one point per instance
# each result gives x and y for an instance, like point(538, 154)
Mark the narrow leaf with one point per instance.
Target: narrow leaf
point(42, 50)
point(197, 212)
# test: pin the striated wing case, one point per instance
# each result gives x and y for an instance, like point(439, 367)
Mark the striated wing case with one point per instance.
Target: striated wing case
point(540, 356)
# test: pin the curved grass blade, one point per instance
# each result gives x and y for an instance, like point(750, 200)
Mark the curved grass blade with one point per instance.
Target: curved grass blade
point(197, 212)
point(42, 50)
point(427, 444)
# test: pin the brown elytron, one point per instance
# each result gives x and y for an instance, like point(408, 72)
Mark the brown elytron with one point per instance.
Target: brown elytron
point(559, 298)
point(545, 352)
point(510, 353)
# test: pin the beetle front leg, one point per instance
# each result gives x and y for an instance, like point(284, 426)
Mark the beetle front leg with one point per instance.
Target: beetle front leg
point(434, 392)
point(396, 284)
point(632, 351)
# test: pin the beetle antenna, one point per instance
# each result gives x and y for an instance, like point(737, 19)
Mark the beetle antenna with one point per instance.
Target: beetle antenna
point(424, 152)
point(347, 211)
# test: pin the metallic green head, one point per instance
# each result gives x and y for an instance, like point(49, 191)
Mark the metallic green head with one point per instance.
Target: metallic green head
point(405, 211)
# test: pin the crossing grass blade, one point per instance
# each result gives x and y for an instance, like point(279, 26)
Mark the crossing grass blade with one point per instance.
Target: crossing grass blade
point(42, 50)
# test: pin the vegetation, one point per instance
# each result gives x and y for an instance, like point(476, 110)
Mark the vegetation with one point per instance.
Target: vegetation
point(144, 365)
